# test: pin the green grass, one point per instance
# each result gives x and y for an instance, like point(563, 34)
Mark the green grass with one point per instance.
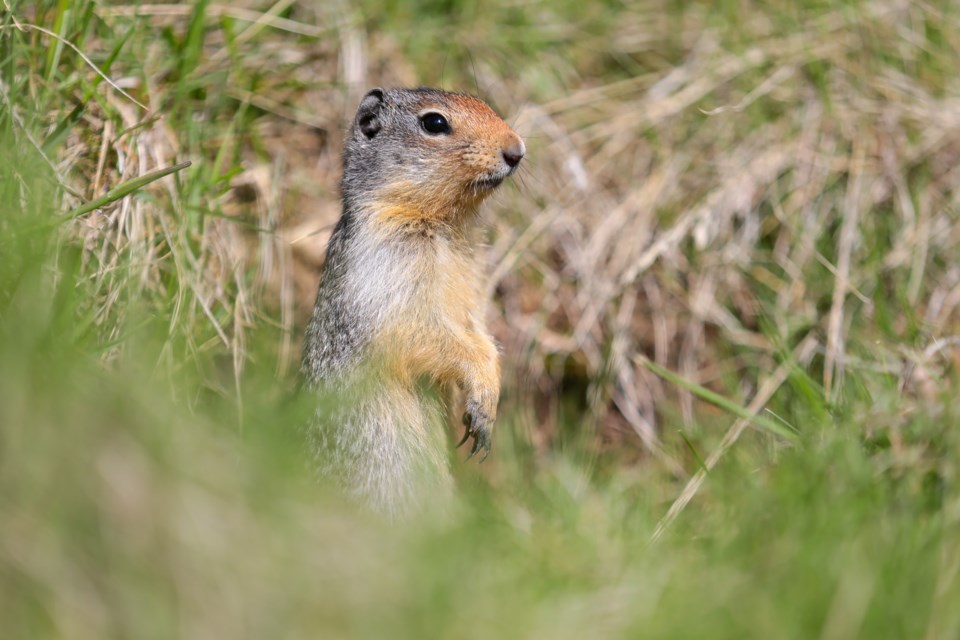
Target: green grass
point(153, 475)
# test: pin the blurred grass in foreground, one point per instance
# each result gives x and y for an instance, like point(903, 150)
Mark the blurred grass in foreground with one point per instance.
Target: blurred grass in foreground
point(152, 479)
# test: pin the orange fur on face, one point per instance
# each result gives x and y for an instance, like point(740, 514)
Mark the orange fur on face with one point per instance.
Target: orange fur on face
point(446, 186)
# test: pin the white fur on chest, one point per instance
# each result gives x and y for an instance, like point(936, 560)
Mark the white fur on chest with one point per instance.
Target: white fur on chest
point(414, 280)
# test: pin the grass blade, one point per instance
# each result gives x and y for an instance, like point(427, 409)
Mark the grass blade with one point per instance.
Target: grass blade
point(74, 116)
point(124, 189)
point(717, 400)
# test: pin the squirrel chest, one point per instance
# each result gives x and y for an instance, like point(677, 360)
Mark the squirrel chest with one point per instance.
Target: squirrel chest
point(424, 289)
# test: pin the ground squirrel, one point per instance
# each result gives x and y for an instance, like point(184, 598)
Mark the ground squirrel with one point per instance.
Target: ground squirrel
point(400, 305)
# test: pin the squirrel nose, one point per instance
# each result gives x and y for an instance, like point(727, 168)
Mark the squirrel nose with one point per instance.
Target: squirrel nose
point(513, 154)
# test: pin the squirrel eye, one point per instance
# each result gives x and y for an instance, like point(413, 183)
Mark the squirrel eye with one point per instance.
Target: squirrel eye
point(434, 123)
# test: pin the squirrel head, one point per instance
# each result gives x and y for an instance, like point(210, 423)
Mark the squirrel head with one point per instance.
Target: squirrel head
point(426, 153)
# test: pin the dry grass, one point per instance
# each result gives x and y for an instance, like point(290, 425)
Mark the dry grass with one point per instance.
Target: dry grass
point(711, 212)
point(764, 199)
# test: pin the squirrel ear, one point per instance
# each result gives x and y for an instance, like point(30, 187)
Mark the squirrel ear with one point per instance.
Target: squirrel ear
point(368, 115)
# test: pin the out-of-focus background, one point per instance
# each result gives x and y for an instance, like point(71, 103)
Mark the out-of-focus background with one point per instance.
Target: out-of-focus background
point(754, 200)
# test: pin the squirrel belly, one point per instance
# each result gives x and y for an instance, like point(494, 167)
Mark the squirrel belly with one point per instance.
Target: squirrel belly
point(400, 301)
point(383, 444)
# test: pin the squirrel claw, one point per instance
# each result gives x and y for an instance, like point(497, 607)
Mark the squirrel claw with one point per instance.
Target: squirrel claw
point(468, 429)
point(485, 445)
point(480, 435)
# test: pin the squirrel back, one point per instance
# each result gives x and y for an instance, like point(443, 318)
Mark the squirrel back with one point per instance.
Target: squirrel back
point(401, 296)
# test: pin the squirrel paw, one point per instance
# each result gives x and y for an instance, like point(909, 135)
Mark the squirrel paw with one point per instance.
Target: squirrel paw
point(477, 424)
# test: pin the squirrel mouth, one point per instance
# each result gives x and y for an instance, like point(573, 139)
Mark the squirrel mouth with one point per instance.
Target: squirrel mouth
point(491, 182)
